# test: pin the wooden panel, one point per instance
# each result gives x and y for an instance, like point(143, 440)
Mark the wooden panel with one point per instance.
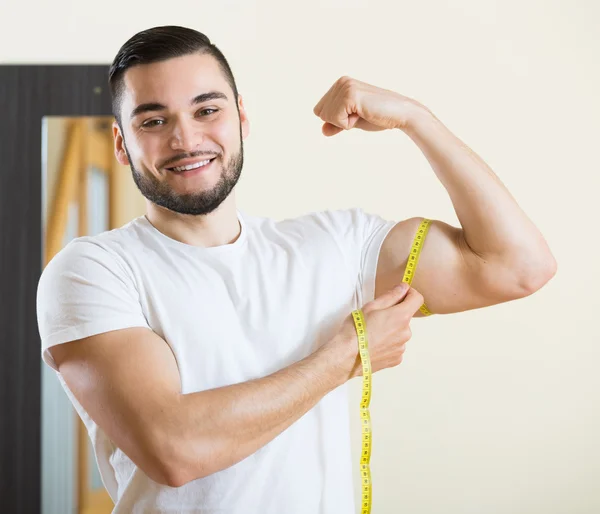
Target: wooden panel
point(27, 94)
point(65, 190)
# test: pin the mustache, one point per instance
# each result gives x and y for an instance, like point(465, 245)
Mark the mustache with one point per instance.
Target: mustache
point(171, 160)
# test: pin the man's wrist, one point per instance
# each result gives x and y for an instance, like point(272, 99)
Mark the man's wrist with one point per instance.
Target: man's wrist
point(341, 355)
point(417, 115)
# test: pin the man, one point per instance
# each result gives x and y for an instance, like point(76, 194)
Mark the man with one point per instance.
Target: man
point(208, 351)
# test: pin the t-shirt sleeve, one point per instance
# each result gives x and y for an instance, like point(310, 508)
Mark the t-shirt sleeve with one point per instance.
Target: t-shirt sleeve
point(359, 235)
point(83, 291)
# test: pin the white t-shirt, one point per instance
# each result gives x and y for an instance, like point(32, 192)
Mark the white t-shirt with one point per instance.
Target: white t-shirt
point(230, 314)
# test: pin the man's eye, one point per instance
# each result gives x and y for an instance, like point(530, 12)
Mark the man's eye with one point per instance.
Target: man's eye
point(207, 112)
point(152, 123)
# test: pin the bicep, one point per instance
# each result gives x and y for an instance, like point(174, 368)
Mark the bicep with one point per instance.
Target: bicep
point(450, 276)
point(125, 380)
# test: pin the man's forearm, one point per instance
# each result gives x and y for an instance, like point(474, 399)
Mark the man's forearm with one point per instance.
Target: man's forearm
point(211, 430)
point(494, 226)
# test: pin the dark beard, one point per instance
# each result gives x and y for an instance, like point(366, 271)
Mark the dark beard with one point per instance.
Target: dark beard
point(197, 204)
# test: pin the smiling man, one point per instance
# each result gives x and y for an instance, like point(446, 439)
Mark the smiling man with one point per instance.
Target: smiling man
point(208, 351)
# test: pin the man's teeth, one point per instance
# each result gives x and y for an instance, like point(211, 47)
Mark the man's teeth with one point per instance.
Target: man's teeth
point(191, 166)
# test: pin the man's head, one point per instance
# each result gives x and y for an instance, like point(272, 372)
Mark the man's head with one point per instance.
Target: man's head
point(176, 104)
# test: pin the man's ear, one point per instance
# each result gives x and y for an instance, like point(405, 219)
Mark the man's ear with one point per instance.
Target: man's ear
point(120, 152)
point(243, 118)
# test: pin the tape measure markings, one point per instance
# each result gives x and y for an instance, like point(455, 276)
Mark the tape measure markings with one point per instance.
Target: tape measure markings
point(413, 258)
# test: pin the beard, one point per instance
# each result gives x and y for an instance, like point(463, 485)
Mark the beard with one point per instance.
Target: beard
point(196, 204)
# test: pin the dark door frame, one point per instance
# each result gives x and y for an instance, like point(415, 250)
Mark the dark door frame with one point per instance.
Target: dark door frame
point(27, 94)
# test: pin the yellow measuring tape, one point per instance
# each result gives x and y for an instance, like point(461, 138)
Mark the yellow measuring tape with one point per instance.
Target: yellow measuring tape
point(413, 258)
point(363, 348)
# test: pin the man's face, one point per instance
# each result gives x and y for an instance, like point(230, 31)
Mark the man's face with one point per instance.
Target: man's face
point(180, 113)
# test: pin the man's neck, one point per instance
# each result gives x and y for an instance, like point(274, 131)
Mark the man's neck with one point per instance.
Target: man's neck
point(220, 227)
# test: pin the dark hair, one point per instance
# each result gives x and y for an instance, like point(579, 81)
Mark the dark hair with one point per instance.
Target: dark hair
point(159, 44)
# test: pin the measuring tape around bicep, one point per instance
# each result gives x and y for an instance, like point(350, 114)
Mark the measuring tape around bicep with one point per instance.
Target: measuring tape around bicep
point(363, 348)
point(413, 258)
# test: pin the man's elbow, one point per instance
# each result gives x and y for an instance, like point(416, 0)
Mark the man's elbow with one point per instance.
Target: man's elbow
point(157, 465)
point(164, 476)
point(165, 471)
point(538, 277)
point(179, 474)
point(172, 478)
point(178, 462)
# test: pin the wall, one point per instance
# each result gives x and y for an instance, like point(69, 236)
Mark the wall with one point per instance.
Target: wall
point(492, 410)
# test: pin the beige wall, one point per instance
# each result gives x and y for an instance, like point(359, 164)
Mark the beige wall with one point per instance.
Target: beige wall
point(493, 411)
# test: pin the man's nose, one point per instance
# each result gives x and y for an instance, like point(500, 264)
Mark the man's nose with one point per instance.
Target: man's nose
point(185, 137)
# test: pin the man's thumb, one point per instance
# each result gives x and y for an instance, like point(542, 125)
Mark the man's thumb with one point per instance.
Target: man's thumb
point(389, 299)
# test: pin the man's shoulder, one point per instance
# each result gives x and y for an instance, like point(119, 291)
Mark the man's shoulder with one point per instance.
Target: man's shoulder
point(102, 247)
point(347, 222)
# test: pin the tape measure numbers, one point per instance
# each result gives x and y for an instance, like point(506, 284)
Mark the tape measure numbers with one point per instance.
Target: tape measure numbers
point(413, 258)
point(363, 349)
point(365, 417)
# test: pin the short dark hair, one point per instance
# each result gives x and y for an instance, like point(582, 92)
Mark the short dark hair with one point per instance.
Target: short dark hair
point(159, 44)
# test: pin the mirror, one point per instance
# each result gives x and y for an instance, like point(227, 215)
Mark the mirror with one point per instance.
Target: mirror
point(85, 191)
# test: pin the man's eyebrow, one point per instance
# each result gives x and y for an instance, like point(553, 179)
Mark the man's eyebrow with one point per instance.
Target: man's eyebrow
point(149, 107)
point(155, 106)
point(206, 97)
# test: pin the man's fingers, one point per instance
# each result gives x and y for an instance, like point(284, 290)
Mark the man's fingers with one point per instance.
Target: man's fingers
point(412, 301)
point(386, 300)
point(330, 130)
